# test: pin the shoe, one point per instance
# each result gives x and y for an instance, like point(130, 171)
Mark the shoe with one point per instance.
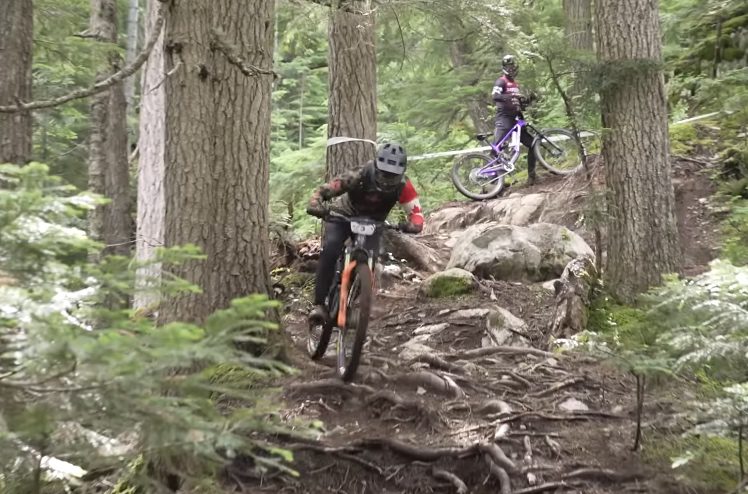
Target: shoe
point(319, 314)
point(531, 180)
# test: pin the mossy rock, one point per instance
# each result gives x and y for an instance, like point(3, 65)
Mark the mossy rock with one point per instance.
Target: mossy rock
point(449, 283)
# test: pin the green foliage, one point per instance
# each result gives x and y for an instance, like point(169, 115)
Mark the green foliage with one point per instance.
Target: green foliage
point(705, 463)
point(103, 398)
point(735, 228)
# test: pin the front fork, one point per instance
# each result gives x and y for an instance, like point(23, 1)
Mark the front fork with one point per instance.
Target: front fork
point(345, 283)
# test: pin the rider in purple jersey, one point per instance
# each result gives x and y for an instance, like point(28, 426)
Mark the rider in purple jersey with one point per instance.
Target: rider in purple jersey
point(508, 98)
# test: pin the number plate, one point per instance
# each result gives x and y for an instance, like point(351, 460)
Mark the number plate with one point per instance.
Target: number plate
point(367, 229)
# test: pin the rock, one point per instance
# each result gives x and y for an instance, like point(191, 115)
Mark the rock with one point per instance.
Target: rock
point(520, 209)
point(550, 285)
point(447, 283)
point(431, 329)
point(538, 252)
point(412, 349)
point(468, 314)
point(504, 328)
point(573, 405)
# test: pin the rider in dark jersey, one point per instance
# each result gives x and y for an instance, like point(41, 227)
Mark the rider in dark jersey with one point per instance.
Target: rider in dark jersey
point(371, 191)
point(508, 98)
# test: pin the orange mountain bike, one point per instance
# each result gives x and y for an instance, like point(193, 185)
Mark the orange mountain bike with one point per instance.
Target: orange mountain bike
point(350, 298)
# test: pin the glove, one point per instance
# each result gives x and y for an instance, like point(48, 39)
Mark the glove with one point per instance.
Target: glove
point(408, 227)
point(318, 210)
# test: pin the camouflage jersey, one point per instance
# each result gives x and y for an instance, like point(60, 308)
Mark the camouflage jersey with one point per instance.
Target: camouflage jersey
point(355, 193)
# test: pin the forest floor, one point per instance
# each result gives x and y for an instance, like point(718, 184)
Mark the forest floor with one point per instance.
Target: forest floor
point(468, 418)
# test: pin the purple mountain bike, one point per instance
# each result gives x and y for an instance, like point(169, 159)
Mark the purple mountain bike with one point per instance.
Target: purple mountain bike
point(481, 175)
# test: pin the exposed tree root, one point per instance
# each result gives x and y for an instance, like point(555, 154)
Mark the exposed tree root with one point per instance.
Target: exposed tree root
point(548, 486)
point(505, 484)
point(587, 415)
point(452, 479)
point(437, 363)
point(556, 387)
point(482, 352)
point(440, 384)
point(600, 474)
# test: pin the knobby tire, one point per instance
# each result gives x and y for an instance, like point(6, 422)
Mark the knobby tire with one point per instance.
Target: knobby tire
point(362, 280)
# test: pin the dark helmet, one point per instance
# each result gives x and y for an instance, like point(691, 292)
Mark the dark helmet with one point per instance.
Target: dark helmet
point(390, 164)
point(509, 66)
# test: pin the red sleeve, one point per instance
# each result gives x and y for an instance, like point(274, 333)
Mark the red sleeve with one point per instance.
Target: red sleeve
point(410, 203)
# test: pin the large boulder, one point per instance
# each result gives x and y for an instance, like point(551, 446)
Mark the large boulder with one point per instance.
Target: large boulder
point(537, 252)
point(516, 209)
point(454, 281)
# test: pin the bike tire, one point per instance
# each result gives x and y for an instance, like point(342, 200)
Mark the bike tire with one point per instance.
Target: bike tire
point(457, 181)
point(318, 351)
point(571, 145)
point(347, 366)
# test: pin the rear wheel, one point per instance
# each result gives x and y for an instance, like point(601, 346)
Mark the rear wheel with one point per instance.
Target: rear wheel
point(353, 336)
point(473, 181)
point(558, 151)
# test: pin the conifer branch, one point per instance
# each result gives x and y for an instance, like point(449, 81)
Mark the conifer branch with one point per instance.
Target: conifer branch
point(101, 85)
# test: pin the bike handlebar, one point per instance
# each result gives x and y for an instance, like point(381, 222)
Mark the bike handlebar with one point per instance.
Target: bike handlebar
point(333, 215)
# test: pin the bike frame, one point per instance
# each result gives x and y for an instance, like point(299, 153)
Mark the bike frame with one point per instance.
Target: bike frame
point(513, 140)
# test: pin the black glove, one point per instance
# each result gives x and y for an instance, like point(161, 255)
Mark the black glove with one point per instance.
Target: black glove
point(408, 227)
point(318, 210)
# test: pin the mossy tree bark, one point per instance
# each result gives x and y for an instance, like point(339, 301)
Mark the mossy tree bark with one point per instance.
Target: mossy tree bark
point(108, 167)
point(642, 231)
point(16, 48)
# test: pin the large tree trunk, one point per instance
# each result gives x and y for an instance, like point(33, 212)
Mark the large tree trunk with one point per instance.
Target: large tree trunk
point(642, 231)
point(578, 27)
point(108, 165)
point(217, 149)
point(151, 207)
point(16, 47)
point(352, 84)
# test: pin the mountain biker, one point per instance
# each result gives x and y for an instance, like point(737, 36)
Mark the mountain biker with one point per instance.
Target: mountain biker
point(509, 103)
point(371, 192)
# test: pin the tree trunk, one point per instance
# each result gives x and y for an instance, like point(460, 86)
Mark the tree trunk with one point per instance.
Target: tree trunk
point(151, 207)
point(217, 148)
point(642, 231)
point(16, 48)
point(578, 27)
point(352, 84)
point(133, 12)
point(108, 172)
point(573, 294)
point(460, 50)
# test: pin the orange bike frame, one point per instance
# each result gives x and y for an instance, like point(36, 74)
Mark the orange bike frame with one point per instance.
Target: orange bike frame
point(345, 282)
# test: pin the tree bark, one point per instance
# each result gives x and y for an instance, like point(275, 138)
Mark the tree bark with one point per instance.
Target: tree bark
point(578, 27)
point(642, 231)
point(133, 13)
point(108, 171)
point(16, 48)
point(573, 294)
point(151, 204)
point(352, 84)
point(216, 155)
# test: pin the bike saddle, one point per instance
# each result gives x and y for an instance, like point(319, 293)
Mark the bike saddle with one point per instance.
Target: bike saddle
point(481, 137)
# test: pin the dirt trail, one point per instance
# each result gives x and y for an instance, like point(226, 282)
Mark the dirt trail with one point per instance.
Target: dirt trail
point(462, 418)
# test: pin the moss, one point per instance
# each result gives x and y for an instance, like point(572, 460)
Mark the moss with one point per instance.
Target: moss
point(713, 465)
point(624, 326)
point(126, 484)
point(682, 138)
point(449, 286)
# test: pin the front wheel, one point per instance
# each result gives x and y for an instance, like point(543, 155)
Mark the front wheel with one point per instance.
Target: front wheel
point(558, 151)
point(353, 336)
point(475, 179)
